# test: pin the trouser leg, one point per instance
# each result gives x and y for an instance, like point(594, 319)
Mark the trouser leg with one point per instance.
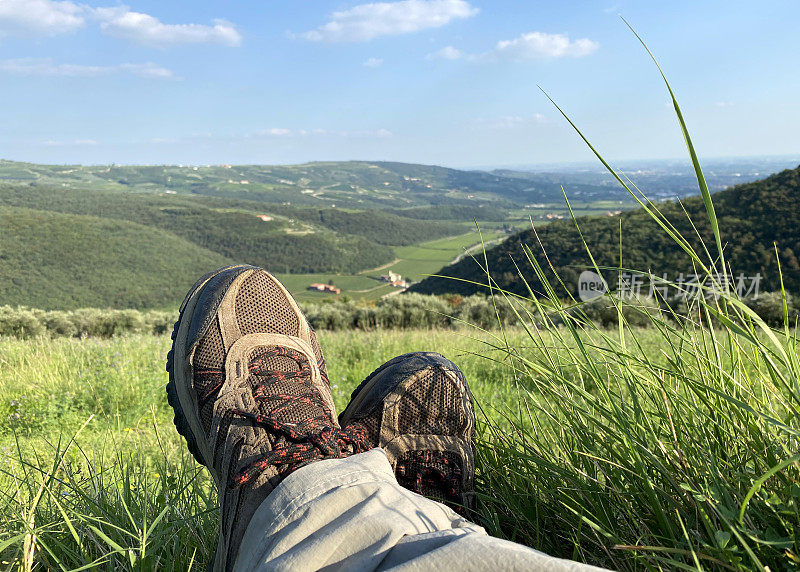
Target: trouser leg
point(350, 514)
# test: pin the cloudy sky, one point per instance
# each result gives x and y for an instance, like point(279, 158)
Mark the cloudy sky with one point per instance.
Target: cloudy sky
point(450, 82)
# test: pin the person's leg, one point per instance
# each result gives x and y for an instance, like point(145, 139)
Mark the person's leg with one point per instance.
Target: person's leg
point(351, 514)
point(251, 396)
point(250, 393)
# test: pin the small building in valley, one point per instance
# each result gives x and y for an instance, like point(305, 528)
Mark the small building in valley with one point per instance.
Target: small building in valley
point(330, 288)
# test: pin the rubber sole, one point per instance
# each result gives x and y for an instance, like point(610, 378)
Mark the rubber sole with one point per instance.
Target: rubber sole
point(180, 421)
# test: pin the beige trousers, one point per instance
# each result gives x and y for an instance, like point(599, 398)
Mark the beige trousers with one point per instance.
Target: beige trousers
point(350, 514)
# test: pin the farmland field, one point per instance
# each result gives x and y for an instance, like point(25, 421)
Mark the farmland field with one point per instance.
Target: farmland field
point(413, 262)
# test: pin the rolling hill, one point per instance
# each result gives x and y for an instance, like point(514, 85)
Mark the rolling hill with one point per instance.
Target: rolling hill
point(347, 222)
point(349, 184)
point(125, 221)
point(752, 218)
point(62, 261)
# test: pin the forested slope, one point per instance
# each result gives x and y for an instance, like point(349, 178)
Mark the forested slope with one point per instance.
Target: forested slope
point(62, 261)
point(752, 218)
point(233, 228)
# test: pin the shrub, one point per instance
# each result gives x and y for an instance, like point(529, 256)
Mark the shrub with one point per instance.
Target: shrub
point(769, 307)
point(60, 323)
point(336, 316)
point(159, 322)
point(603, 312)
point(90, 322)
point(477, 310)
point(413, 311)
point(20, 322)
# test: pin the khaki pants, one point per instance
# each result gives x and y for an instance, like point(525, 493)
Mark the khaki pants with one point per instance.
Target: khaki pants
point(350, 514)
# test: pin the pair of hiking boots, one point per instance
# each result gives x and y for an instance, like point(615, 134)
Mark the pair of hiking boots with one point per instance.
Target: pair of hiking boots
point(251, 395)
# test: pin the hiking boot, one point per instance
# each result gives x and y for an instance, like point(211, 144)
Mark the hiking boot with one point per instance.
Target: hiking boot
point(418, 407)
point(250, 393)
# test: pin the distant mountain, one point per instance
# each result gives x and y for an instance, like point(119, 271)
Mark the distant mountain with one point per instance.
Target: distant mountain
point(348, 184)
point(117, 235)
point(752, 218)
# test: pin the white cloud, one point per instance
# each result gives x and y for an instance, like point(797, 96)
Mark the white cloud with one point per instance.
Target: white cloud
point(507, 122)
point(539, 45)
point(446, 53)
point(46, 67)
point(75, 142)
point(368, 21)
point(373, 63)
point(282, 132)
point(531, 46)
point(53, 17)
point(724, 104)
point(362, 133)
point(147, 70)
point(510, 121)
point(39, 17)
point(140, 28)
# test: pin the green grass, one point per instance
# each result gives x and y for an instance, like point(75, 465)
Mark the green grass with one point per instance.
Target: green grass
point(126, 494)
point(429, 257)
point(580, 454)
point(356, 286)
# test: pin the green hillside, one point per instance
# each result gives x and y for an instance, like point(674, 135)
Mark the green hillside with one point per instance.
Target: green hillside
point(349, 184)
point(231, 232)
point(752, 218)
point(62, 261)
point(341, 222)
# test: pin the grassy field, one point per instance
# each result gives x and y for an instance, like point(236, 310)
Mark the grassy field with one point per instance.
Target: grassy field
point(128, 464)
point(611, 447)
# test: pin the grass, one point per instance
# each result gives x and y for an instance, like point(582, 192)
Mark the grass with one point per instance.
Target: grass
point(125, 494)
point(593, 445)
point(429, 257)
point(682, 459)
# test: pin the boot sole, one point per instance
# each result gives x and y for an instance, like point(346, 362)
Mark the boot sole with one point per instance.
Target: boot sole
point(177, 354)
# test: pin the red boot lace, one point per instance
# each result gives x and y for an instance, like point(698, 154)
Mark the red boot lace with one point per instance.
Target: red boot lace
point(312, 439)
point(425, 470)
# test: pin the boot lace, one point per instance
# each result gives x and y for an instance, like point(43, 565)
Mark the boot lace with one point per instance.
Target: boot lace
point(425, 470)
point(312, 439)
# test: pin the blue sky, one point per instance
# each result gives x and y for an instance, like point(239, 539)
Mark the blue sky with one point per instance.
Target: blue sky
point(450, 82)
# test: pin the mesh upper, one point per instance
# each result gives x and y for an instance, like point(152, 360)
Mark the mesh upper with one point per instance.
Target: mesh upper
point(261, 306)
point(209, 355)
point(432, 406)
point(373, 426)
